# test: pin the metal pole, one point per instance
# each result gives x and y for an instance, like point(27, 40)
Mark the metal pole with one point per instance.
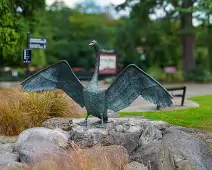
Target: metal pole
point(28, 40)
point(28, 46)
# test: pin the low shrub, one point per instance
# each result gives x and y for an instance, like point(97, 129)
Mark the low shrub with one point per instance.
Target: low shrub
point(200, 75)
point(20, 110)
point(157, 73)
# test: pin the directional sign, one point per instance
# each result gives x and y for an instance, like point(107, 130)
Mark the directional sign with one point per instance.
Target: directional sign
point(37, 46)
point(27, 56)
point(37, 43)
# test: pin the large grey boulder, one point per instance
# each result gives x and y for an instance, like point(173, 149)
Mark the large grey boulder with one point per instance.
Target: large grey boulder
point(194, 150)
point(155, 155)
point(33, 144)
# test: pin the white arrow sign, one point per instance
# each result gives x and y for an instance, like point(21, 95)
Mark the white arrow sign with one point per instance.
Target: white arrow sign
point(37, 46)
point(37, 41)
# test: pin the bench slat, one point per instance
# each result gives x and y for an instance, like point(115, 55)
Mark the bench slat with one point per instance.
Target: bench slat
point(177, 95)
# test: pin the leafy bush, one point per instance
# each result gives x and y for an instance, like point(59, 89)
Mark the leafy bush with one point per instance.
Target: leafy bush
point(200, 75)
point(20, 110)
point(157, 73)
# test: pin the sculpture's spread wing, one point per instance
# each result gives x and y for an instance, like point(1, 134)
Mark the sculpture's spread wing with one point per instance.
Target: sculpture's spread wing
point(130, 84)
point(57, 76)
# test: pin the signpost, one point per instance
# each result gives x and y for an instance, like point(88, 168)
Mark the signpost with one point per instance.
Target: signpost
point(37, 43)
point(108, 62)
point(170, 70)
point(33, 43)
point(27, 56)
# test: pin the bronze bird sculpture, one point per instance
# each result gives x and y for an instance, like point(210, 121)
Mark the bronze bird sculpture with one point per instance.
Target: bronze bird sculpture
point(129, 84)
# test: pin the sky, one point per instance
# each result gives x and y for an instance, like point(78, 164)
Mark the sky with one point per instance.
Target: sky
point(71, 3)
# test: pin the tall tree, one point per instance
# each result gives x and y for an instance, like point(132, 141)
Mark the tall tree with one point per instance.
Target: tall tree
point(8, 35)
point(182, 10)
point(206, 8)
point(188, 33)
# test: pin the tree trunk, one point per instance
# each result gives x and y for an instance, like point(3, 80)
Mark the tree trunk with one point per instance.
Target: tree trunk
point(188, 37)
point(209, 44)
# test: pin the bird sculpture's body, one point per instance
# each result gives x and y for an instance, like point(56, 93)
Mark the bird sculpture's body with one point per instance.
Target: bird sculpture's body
point(130, 83)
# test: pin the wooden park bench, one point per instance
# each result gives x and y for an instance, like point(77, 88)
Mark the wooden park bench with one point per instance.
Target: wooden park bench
point(172, 89)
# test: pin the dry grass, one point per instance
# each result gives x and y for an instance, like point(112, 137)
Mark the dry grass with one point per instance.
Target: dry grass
point(20, 110)
point(98, 158)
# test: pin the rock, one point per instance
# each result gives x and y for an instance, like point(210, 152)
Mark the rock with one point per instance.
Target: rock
point(178, 158)
point(187, 130)
point(209, 141)
point(154, 154)
point(116, 156)
point(135, 166)
point(154, 144)
point(7, 148)
point(149, 135)
point(127, 140)
point(118, 131)
point(194, 150)
point(34, 143)
point(135, 129)
point(184, 165)
point(119, 128)
point(62, 123)
point(8, 139)
point(6, 158)
point(15, 166)
point(112, 114)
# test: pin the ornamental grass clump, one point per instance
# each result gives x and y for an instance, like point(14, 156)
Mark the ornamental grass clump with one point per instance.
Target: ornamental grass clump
point(20, 110)
point(96, 158)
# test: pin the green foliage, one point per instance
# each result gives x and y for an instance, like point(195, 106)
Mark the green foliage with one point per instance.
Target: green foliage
point(8, 35)
point(157, 73)
point(38, 56)
point(200, 75)
point(200, 118)
point(68, 32)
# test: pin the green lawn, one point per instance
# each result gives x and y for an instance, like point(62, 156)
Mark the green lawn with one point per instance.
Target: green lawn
point(200, 118)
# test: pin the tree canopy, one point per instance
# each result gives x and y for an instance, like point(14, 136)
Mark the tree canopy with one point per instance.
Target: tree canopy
point(163, 30)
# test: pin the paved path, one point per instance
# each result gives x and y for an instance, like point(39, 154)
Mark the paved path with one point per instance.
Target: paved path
point(193, 90)
point(140, 105)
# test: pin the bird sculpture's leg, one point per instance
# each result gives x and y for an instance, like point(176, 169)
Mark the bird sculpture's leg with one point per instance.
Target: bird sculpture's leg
point(102, 123)
point(85, 122)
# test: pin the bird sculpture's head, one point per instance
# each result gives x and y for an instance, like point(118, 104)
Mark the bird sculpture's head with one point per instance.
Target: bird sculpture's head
point(94, 43)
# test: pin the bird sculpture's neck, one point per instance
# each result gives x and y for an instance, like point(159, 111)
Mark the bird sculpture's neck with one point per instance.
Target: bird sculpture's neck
point(94, 80)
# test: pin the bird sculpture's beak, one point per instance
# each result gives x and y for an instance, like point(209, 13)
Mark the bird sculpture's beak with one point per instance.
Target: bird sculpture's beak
point(90, 44)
